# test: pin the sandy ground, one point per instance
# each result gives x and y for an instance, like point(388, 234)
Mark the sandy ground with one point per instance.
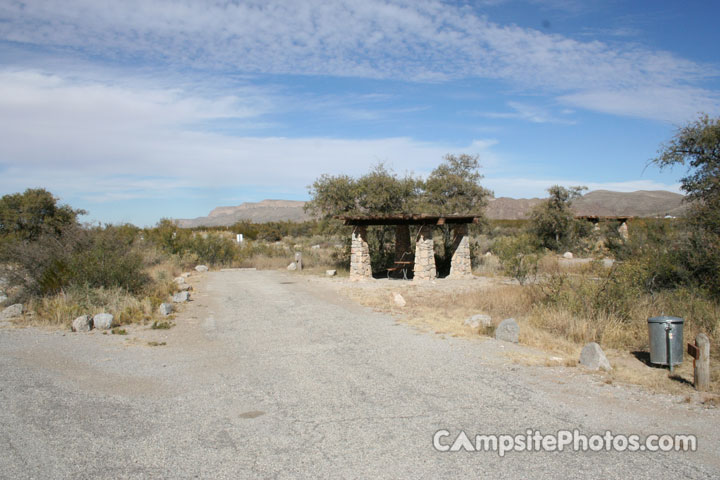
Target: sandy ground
point(274, 375)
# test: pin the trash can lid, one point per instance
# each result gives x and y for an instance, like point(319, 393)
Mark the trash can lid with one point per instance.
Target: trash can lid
point(665, 319)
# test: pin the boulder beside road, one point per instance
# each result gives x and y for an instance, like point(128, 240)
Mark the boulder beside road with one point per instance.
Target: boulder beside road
point(103, 321)
point(83, 323)
point(181, 297)
point(593, 357)
point(478, 320)
point(508, 331)
point(12, 311)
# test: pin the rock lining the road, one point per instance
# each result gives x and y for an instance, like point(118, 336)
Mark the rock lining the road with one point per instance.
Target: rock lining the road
point(508, 331)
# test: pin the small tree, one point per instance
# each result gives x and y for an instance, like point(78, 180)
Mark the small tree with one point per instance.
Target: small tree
point(25, 216)
point(379, 192)
point(454, 187)
point(553, 221)
point(332, 195)
point(697, 146)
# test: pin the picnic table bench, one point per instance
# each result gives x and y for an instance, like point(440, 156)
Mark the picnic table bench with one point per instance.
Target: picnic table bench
point(401, 265)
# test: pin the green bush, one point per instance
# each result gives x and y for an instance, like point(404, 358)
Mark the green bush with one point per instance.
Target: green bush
point(101, 257)
point(518, 256)
point(191, 247)
point(212, 249)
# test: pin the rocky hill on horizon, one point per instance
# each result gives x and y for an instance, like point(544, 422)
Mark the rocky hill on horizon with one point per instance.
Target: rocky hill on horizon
point(642, 203)
point(256, 212)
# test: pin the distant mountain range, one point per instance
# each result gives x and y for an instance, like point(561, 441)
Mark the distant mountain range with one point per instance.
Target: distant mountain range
point(642, 203)
point(256, 212)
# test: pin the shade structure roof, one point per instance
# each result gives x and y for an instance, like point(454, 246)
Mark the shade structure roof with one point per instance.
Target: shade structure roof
point(409, 219)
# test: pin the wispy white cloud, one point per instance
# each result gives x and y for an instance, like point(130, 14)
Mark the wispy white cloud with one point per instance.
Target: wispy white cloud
point(425, 40)
point(669, 103)
point(121, 142)
point(530, 113)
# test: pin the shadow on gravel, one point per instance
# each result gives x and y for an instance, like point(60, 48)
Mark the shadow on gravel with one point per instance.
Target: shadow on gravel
point(680, 379)
point(644, 357)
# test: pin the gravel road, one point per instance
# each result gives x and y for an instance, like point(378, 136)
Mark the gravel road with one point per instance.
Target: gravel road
point(272, 375)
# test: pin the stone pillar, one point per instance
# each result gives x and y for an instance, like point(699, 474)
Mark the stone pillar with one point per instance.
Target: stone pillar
point(360, 268)
point(460, 265)
point(623, 231)
point(425, 254)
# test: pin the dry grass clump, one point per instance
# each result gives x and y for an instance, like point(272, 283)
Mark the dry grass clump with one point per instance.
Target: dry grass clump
point(62, 308)
point(126, 307)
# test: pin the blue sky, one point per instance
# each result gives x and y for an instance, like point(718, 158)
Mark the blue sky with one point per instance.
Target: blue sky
point(139, 110)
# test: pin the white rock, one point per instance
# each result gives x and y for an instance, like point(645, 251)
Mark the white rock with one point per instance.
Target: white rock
point(103, 321)
point(292, 266)
point(399, 300)
point(83, 323)
point(12, 311)
point(179, 280)
point(330, 273)
point(508, 331)
point(567, 255)
point(593, 357)
point(181, 297)
point(201, 268)
point(165, 308)
point(488, 254)
point(479, 320)
point(315, 247)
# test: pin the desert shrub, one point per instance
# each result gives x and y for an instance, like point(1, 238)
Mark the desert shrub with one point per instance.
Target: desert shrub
point(518, 256)
point(105, 258)
point(212, 249)
point(96, 257)
point(191, 248)
point(170, 238)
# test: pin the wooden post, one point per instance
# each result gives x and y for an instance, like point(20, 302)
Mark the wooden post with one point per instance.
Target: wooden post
point(702, 362)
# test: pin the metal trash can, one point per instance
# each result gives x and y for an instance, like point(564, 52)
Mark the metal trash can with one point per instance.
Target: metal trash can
point(666, 340)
